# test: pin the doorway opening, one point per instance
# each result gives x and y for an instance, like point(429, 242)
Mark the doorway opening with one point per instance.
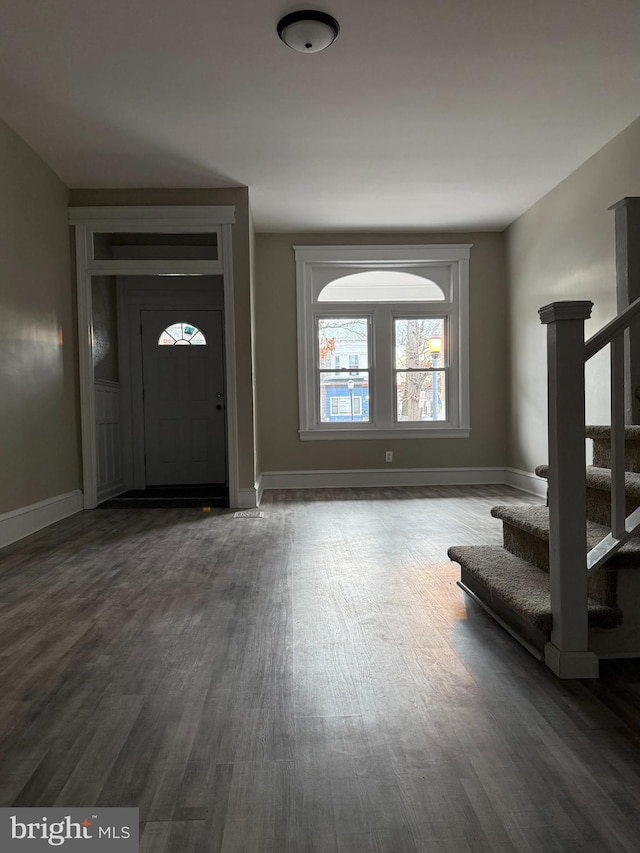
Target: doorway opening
point(159, 367)
point(155, 317)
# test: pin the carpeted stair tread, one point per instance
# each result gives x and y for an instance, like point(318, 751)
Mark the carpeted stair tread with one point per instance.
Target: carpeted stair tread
point(534, 519)
point(598, 431)
point(521, 586)
point(600, 478)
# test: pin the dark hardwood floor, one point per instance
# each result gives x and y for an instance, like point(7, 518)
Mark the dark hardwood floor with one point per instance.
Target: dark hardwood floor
point(310, 681)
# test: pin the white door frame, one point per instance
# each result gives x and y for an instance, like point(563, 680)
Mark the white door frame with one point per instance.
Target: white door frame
point(194, 219)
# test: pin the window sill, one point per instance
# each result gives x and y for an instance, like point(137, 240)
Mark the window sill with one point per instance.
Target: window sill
point(359, 434)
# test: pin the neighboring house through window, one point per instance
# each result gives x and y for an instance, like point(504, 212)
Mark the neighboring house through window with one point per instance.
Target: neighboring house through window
point(383, 341)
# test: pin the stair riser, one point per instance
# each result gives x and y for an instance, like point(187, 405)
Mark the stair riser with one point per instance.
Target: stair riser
point(602, 454)
point(602, 584)
point(526, 546)
point(599, 506)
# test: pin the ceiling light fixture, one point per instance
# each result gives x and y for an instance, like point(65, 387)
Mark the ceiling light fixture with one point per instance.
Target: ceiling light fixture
point(308, 31)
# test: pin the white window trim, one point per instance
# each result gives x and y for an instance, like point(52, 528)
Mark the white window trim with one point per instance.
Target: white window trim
point(312, 265)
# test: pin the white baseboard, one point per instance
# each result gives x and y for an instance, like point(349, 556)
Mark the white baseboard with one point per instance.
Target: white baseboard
point(22, 522)
point(343, 479)
point(248, 498)
point(526, 482)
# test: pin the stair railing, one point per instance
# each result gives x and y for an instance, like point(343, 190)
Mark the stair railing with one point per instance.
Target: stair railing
point(622, 526)
point(567, 653)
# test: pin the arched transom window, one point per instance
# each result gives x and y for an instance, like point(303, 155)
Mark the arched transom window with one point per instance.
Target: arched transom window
point(381, 286)
point(181, 334)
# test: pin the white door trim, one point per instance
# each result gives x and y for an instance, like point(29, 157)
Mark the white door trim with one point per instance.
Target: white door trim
point(157, 219)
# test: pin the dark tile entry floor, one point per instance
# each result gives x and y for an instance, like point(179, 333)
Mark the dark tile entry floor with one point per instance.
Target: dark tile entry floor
point(164, 497)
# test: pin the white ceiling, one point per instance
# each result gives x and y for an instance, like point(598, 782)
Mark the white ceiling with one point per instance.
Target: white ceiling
point(424, 114)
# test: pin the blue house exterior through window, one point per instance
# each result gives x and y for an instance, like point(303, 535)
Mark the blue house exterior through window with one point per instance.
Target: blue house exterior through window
point(344, 401)
point(343, 369)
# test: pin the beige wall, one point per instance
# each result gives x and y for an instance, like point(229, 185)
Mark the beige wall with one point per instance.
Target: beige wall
point(563, 248)
point(239, 197)
point(276, 370)
point(39, 443)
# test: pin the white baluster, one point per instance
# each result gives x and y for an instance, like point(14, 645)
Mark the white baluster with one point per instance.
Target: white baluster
point(617, 462)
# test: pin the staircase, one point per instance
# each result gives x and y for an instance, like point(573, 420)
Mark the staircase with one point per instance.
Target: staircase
point(566, 583)
point(512, 582)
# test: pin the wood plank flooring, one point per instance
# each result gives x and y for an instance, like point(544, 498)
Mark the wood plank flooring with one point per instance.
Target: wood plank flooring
point(310, 681)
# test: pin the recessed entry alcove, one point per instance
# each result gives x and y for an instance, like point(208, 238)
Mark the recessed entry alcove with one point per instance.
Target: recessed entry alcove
point(155, 316)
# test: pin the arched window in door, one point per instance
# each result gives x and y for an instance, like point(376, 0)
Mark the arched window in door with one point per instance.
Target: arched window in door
point(181, 334)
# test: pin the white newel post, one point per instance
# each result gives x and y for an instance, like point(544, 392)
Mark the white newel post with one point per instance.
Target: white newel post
point(567, 654)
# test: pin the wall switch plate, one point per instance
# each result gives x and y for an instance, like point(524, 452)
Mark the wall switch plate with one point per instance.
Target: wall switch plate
point(388, 456)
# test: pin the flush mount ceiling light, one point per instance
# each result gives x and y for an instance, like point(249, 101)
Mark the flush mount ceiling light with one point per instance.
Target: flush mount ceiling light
point(308, 31)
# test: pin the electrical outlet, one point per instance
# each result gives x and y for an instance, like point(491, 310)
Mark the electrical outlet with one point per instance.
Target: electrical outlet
point(388, 456)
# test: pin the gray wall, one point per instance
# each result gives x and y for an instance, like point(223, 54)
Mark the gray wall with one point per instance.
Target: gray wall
point(563, 248)
point(276, 371)
point(39, 436)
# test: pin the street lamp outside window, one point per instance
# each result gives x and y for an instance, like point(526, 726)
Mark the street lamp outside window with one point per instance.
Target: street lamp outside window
point(435, 348)
point(350, 385)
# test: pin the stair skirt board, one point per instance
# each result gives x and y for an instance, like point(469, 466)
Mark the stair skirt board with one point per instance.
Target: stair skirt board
point(531, 638)
point(614, 643)
point(607, 643)
point(623, 641)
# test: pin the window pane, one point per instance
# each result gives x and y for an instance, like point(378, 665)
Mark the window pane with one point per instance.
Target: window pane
point(419, 343)
point(383, 286)
point(344, 399)
point(156, 247)
point(420, 395)
point(343, 342)
point(181, 334)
